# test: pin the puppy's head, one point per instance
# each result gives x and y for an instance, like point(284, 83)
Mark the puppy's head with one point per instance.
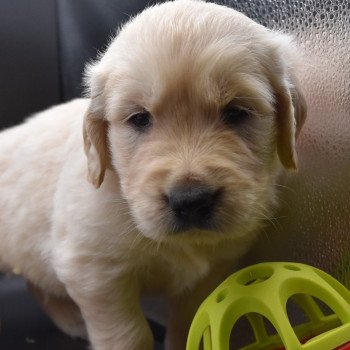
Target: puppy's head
point(195, 107)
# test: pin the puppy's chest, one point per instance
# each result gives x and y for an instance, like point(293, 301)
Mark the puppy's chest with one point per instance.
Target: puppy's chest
point(174, 270)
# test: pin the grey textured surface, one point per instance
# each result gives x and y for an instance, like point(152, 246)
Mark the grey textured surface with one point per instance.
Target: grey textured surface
point(313, 223)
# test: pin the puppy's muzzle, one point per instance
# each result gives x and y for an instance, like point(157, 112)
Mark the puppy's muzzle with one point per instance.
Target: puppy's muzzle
point(193, 206)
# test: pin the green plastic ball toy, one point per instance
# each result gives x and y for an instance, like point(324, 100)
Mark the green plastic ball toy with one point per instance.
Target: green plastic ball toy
point(262, 291)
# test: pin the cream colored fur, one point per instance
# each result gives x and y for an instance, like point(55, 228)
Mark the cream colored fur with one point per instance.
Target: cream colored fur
point(82, 213)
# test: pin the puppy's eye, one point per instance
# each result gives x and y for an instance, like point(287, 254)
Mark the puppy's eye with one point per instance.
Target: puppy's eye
point(234, 115)
point(140, 121)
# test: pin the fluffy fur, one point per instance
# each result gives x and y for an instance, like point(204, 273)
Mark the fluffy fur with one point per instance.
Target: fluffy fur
point(94, 246)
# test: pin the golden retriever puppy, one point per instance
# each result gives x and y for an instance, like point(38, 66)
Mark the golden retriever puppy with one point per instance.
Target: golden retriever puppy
point(192, 112)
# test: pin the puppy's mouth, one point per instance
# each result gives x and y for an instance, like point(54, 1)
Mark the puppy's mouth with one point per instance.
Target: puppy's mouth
point(193, 208)
point(203, 223)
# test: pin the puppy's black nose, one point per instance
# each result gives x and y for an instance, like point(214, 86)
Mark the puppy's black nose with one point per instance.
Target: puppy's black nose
point(193, 206)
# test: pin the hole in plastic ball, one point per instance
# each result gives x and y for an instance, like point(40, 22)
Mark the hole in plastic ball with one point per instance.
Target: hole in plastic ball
point(221, 296)
point(253, 276)
point(292, 267)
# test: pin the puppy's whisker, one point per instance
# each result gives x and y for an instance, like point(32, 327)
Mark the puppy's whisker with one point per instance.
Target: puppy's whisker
point(285, 187)
point(226, 219)
point(279, 185)
point(265, 234)
point(132, 227)
point(284, 202)
point(270, 220)
point(138, 238)
point(159, 244)
point(128, 229)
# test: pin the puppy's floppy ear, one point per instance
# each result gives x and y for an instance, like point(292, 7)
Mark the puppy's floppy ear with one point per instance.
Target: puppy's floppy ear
point(95, 129)
point(290, 103)
point(95, 126)
point(291, 114)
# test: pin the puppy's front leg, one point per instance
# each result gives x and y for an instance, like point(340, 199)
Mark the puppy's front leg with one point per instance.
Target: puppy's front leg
point(111, 310)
